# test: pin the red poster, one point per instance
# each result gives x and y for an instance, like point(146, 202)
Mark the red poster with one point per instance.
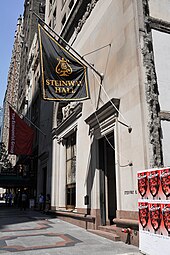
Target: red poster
point(165, 219)
point(154, 184)
point(155, 218)
point(165, 183)
point(143, 209)
point(20, 135)
point(154, 211)
point(143, 188)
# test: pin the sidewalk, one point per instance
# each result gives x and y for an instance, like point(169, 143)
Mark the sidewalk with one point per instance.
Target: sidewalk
point(31, 232)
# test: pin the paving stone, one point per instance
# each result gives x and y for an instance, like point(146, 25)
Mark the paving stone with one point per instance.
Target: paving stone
point(31, 232)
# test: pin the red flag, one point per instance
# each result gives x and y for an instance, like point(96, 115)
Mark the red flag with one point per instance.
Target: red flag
point(20, 135)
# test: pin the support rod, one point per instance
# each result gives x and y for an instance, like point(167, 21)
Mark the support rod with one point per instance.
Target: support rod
point(96, 50)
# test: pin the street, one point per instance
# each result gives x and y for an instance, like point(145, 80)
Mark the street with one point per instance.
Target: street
point(32, 232)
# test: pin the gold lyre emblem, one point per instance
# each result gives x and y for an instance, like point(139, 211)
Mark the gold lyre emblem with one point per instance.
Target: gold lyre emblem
point(63, 68)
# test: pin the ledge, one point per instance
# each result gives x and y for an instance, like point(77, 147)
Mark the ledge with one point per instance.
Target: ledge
point(126, 223)
point(74, 215)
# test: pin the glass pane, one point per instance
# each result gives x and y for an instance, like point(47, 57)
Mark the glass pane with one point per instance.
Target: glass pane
point(69, 153)
point(74, 150)
point(165, 142)
point(73, 170)
point(68, 196)
point(71, 160)
point(71, 196)
point(161, 46)
point(69, 172)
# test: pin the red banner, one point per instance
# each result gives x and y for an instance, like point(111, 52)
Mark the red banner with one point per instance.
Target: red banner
point(20, 135)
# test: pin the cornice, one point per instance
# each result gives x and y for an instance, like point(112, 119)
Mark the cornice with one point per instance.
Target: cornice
point(76, 114)
point(87, 13)
point(80, 13)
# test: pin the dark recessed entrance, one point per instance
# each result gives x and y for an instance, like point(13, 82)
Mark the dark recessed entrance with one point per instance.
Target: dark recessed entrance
point(107, 179)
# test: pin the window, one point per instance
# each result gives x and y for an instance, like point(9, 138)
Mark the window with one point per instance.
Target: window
point(63, 2)
point(165, 141)
point(54, 18)
point(63, 19)
point(71, 171)
point(71, 4)
point(161, 47)
point(50, 6)
point(42, 8)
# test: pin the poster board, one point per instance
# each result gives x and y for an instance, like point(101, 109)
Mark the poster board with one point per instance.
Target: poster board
point(154, 211)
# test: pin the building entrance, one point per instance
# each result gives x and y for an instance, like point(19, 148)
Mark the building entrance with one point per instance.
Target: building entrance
point(107, 179)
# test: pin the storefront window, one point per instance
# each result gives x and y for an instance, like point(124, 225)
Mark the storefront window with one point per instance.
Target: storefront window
point(71, 171)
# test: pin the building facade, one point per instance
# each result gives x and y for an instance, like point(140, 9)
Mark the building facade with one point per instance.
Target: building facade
point(22, 92)
point(11, 95)
point(28, 32)
point(87, 154)
point(100, 144)
point(1, 121)
point(28, 91)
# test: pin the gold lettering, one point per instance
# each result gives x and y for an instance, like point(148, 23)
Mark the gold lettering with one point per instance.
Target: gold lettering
point(71, 83)
point(78, 83)
point(56, 83)
point(64, 90)
point(59, 83)
point(72, 91)
point(64, 83)
point(68, 90)
point(53, 82)
point(60, 90)
point(47, 82)
point(57, 90)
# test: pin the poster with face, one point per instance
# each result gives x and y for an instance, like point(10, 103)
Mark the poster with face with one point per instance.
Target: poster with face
point(165, 226)
point(154, 183)
point(143, 210)
point(154, 211)
point(142, 184)
point(165, 184)
point(155, 217)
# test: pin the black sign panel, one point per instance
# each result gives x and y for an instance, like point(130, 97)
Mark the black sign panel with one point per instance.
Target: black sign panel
point(64, 77)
